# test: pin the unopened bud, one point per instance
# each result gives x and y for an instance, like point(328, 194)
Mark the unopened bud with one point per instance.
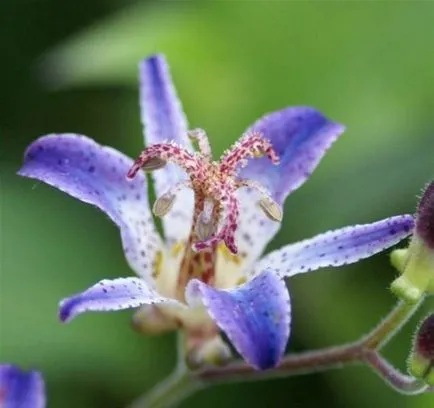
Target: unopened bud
point(151, 319)
point(416, 263)
point(421, 361)
point(271, 209)
point(213, 352)
point(425, 216)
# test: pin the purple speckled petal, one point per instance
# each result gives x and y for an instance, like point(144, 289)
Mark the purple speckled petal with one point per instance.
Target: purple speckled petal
point(109, 295)
point(97, 175)
point(300, 136)
point(339, 247)
point(255, 316)
point(163, 120)
point(20, 389)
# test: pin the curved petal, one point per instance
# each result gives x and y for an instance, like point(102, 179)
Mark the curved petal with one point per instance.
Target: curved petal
point(164, 120)
point(338, 247)
point(96, 175)
point(255, 316)
point(300, 136)
point(109, 295)
point(20, 389)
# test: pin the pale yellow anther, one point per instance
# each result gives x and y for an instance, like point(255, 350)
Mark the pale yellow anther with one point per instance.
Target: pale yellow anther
point(271, 209)
point(257, 154)
point(154, 164)
point(228, 255)
point(177, 248)
point(163, 205)
point(158, 264)
point(241, 281)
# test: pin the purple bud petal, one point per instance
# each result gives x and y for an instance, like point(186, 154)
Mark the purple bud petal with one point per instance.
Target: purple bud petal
point(424, 341)
point(425, 216)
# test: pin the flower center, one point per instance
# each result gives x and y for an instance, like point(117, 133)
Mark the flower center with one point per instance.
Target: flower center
point(214, 183)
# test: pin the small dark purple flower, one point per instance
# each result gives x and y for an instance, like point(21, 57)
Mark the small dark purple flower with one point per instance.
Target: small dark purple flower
point(425, 216)
point(21, 389)
point(207, 274)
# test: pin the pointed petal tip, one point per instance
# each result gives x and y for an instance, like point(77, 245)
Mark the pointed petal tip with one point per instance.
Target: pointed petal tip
point(96, 175)
point(111, 295)
point(156, 58)
point(65, 310)
point(254, 316)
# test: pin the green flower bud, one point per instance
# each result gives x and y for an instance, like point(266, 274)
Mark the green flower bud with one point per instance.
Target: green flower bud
point(416, 263)
point(421, 361)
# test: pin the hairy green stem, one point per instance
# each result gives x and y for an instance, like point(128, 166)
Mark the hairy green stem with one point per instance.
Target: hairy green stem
point(178, 386)
point(390, 325)
point(400, 382)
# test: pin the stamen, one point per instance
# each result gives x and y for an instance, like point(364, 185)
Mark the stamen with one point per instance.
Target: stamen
point(200, 136)
point(271, 209)
point(252, 145)
point(154, 164)
point(227, 233)
point(214, 184)
point(165, 152)
point(164, 203)
point(205, 226)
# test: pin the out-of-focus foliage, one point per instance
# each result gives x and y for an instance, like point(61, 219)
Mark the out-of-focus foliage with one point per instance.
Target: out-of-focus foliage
point(72, 67)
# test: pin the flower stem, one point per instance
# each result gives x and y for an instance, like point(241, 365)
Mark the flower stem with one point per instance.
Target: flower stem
point(390, 325)
point(400, 382)
point(183, 382)
point(178, 386)
point(361, 351)
point(292, 364)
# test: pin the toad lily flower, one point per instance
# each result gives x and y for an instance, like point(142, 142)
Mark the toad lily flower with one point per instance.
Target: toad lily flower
point(205, 275)
point(19, 389)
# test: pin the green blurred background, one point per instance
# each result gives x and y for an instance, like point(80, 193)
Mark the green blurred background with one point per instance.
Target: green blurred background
point(71, 66)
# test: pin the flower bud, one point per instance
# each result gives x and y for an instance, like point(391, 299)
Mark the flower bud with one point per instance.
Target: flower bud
point(416, 263)
point(421, 361)
point(214, 352)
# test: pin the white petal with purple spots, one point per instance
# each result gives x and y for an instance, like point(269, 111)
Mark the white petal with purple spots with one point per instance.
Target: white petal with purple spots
point(96, 175)
point(338, 247)
point(255, 316)
point(108, 295)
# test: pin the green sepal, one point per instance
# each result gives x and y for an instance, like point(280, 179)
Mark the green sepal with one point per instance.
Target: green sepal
point(416, 263)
